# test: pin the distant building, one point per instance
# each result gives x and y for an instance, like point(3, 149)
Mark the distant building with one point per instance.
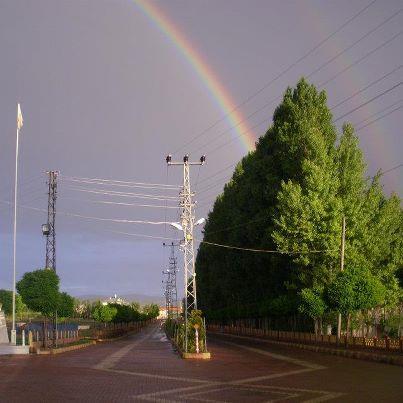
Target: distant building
point(164, 313)
point(115, 300)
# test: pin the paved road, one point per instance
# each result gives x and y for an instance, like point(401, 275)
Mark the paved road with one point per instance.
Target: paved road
point(145, 368)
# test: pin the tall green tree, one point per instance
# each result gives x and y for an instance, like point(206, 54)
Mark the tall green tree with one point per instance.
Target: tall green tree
point(290, 195)
point(40, 291)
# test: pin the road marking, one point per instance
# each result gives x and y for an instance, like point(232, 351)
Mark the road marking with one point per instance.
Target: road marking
point(251, 388)
point(296, 361)
point(272, 376)
point(165, 377)
point(112, 359)
point(162, 396)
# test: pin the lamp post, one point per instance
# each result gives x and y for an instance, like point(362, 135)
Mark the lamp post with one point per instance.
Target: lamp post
point(19, 126)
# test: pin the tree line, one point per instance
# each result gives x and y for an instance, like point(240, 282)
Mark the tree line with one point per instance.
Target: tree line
point(288, 198)
point(39, 295)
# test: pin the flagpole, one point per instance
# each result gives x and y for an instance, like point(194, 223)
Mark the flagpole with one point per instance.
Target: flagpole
point(13, 330)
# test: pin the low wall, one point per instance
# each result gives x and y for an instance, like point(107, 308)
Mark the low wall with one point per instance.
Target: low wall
point(366, 343)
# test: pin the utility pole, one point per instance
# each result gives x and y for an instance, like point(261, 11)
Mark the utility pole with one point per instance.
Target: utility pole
point(49, 229)
point(171, 289)
point(343, 239)
point(187, 224)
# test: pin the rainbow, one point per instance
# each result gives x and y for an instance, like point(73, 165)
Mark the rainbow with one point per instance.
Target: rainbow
point(203, 70)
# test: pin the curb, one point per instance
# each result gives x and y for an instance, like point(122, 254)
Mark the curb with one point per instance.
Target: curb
point(73, 347)
point(359, 355)
point(195, 356)
point(61, 350)
point(189, 356)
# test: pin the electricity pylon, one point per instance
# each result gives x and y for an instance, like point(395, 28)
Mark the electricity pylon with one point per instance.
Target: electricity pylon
point(171, 291)
point(186, 225)
point(49, 229)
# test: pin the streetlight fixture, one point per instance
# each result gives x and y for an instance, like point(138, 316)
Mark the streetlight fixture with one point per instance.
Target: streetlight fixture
point(176, 225)
point(45, 229)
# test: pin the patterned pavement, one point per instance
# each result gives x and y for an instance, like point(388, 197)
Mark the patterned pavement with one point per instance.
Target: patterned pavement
point(145, 368)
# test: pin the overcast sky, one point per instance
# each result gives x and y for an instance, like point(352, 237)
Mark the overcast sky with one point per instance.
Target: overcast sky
point(105, 94)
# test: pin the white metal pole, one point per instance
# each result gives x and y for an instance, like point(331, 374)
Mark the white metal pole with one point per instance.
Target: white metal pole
point(13, 330)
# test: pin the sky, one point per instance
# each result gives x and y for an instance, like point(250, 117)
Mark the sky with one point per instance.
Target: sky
point(107, 92)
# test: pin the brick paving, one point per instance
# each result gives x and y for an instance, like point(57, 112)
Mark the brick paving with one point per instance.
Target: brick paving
point(144, 367)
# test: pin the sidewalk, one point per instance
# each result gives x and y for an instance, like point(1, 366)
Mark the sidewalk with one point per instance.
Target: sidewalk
point(350, 352)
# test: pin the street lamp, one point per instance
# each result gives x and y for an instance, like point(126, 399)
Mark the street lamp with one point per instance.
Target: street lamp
point(45, 229)
point(176, 225)
point(179, 227)
point(200, 221)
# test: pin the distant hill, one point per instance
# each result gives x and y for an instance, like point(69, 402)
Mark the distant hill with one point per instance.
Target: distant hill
point(141, 298)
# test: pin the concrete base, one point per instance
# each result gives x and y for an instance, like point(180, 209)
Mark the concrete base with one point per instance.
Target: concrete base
point(9, 349)
point(195, 356)
point(189, 356)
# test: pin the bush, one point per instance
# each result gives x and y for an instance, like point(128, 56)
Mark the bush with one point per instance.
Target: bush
point(175, 329)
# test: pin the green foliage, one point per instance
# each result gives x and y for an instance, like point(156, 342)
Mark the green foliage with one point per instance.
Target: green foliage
point(6, 299)
point(104, 313)
point(65, 306)
point(40, 291)
point(125, 313)
point(290, 195)
point(151, 310)
point(354, 290)
point(176, 330)
point(312, 303)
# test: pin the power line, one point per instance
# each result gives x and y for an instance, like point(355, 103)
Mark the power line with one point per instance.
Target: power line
point(121, 203)
point(122, 185)
point(115, 182)
point(377, 113)
point(266, 250)
point(279, 96)
point(279, 75)
point(217, 173)
point(366, 87)
point(391, 169)
point(355, 43)
point(92, 217)
point(345, 114)
point(380, 117)
point(361, 59)
point(382, 173)
point(144, 235)
point(369, 101)
point(126, 194)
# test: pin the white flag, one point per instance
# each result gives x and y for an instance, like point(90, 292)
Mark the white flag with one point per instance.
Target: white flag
point(20, 121)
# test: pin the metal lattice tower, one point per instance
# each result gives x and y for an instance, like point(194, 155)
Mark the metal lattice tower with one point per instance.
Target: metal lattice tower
point(187, 224)
point(167, 292)
point(50, 262)
point(171, 290)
